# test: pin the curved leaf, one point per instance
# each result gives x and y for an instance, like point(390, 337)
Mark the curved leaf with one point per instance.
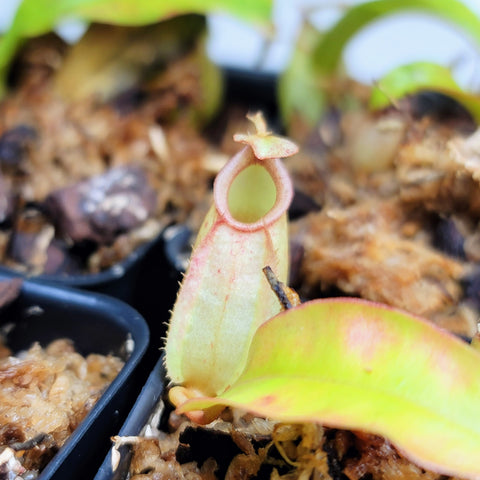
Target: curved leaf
point(418, 76)
point(301, 96)
point(328, 52)
point(35, 17)
point(354, 364)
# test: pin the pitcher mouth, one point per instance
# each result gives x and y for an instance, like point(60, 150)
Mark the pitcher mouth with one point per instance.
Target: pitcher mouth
point(250, 194)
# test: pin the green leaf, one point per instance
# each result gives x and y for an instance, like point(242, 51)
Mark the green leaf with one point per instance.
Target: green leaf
point(300, 94)
point(111, 58)
point(329, 50)
point(35, 17)
point(415, 77)
point(305, 87)
point(357, 365)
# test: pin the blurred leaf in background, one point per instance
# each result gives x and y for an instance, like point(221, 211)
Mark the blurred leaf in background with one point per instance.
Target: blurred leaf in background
point(328, 53)
point(325, 66)
point(300, 92)
point(36, 17)
point(419, 76)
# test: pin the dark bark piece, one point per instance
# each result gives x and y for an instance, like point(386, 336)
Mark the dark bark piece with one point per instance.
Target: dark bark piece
point(65, 209)
point(471, 288)
point(9, 291)
point(449, 239)
point(60, 260)
point(30, 240)
point(104, 206)
point(14, 145)
point(28, 249)
point(119, 200)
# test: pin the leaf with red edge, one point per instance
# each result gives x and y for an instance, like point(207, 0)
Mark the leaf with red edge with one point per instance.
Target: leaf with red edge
point(357, 365)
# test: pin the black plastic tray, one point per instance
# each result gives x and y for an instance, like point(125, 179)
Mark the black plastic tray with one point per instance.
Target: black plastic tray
point(140, 280)
point(96, 323)
point(117, 281)
point(136, 420)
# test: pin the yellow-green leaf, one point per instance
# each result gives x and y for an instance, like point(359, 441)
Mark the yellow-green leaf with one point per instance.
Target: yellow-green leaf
point(358, 365)
point(328, 52)
point(35, 17)
point(301, 95)
point(418, 76)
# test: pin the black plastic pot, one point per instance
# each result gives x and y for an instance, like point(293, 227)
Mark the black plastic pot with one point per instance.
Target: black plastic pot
point(135, 422)
point(138, 280)
point(117, 281)
point(95, 323)
point(255, 90)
